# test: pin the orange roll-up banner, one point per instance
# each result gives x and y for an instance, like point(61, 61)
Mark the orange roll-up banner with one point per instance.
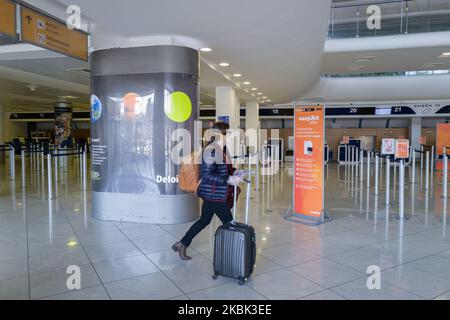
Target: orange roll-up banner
point(309, 158)
point(443, 138)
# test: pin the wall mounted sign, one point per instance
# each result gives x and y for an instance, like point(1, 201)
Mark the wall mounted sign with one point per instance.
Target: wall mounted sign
point(49, 33)
point(388, 146)
point(402, 149)
point(8, 18)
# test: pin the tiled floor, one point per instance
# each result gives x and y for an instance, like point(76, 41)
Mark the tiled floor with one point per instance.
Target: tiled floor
point(118, 260)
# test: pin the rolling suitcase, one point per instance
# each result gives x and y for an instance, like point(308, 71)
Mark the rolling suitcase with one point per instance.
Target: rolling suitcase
point(235, 246)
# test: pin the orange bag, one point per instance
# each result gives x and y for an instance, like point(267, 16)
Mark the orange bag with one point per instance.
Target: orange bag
point(189, 176)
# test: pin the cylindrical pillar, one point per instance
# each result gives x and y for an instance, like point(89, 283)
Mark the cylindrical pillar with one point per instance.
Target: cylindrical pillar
point(144, 102)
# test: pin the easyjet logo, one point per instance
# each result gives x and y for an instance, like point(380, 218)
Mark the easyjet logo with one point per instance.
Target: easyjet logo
point(309, 118)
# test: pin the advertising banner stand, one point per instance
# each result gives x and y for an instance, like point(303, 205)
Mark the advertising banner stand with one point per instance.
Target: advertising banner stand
point(309, 143)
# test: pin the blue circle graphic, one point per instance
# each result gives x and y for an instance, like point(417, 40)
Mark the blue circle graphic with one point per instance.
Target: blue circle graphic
point(96, 108)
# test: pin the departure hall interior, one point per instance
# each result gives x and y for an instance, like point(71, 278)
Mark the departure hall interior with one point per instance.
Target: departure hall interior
point(340, 113)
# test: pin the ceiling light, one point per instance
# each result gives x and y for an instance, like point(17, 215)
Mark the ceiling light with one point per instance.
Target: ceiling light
point(205, 49)
point(254, 89)
point(237, 75)
point(32, 87)
point(264, 97)
point(356, 68)
point(445, 55)
point(224, 64)
point(259, 93)
point(432, 64)
point(363, 59)
point(247, 83)
point(72, 243)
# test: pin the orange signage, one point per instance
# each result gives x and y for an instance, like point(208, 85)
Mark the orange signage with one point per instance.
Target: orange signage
point(346, 139)
point(443, 138)
point(309, 159)
point(423, 140)
point(7, 18)
point(49, 33)
point(402, 149)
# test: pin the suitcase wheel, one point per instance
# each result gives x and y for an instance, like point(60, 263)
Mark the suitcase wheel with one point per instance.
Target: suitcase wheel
point(215, 276)
point(242, 281)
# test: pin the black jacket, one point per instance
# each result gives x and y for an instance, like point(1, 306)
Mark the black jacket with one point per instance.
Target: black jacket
point(214, 174)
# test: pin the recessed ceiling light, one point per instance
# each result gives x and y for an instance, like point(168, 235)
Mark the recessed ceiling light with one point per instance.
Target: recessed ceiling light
point(247, 83)
point(237, 75)
point(363, 59)
point(356, 68)
point(205, 49)
point(259, 93)
point(254, 89)
point(264, 97)
point(224, 64)
point(445, 55)
point(432, 64)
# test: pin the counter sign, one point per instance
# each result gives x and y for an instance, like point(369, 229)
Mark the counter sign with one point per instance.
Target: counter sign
point(7, 18)
point(52, 34)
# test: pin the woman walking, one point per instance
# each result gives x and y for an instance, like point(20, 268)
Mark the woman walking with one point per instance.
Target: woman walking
point(216, 187)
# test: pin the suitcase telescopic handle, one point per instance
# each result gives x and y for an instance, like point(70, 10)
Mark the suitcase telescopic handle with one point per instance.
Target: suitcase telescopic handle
point(247, 201)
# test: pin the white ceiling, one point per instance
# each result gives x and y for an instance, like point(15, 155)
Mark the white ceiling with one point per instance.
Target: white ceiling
point(279, 46)
point(395, 60)
point(276, 45)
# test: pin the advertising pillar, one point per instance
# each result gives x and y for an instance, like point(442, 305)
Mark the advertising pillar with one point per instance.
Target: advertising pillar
point(63, 124)
point(144, 102)
point(309, 162)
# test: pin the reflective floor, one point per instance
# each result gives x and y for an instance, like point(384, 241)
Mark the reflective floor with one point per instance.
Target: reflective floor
point(39, 239)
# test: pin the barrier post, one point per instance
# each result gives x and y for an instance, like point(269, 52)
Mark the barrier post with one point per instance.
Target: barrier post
point(49, 176)
point(445, 175)
point(388, 179)
point(42, 162)
point(413, 176)
point(23, 169)
point(381, 173)
point(347, 150)
point(12, 163)
point(257, 172)
point(80, 161)
point(368, 169)
point(433, 154)
point(376, 174)
point(421, 157)
point(84, 170)
point(361, 174)
point(56, 165)
point(401, 192)
point(427, 170)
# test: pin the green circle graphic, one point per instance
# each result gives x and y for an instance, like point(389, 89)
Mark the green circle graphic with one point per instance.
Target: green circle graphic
point(179, 107)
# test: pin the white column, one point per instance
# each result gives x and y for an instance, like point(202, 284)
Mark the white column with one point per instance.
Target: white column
point(415, 131)
point(252, 126)
point(226, 105)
